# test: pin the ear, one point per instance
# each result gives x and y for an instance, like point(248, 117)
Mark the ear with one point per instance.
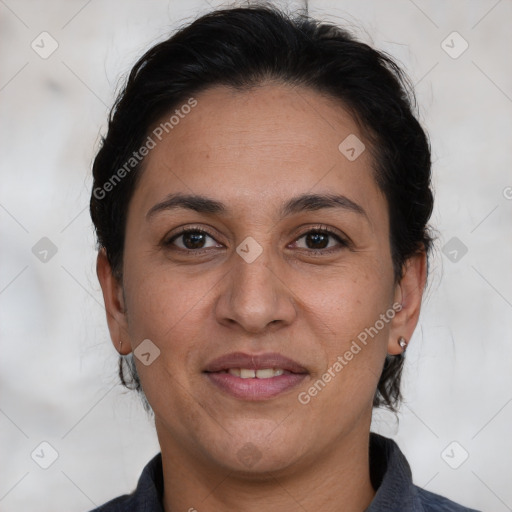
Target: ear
point(408, 293)
point(114, 304)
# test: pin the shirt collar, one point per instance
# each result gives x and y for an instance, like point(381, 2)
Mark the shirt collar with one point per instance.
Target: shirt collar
point(391, 476)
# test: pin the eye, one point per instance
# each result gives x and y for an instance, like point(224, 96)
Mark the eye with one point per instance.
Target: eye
point(192, 239)
point(320, 240)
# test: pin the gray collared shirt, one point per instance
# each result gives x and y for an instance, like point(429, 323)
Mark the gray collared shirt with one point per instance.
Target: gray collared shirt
point(389, 470)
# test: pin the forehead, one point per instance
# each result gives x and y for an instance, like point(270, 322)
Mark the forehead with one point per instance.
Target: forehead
point(265, 119)
point(255, 144)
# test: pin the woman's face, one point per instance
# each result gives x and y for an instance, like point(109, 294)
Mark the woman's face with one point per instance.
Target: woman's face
point(264, 278)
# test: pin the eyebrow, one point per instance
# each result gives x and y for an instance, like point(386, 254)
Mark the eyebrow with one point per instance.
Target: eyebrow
point(304, 202)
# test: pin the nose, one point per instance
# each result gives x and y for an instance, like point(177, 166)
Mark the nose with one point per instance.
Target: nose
point(254, 296)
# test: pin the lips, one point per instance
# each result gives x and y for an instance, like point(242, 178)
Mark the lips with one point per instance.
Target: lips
point(255, 362)
point(254, 377)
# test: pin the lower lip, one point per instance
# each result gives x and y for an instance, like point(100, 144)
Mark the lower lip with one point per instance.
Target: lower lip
point(255, 389)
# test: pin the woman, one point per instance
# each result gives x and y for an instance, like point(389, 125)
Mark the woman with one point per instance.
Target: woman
point(261, 202)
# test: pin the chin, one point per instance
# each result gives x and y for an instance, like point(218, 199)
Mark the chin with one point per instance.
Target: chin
point(256, 465)
point(251, 458)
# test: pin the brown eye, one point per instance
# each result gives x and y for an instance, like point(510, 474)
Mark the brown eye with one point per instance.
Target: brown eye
point(193, 240)
point(320, 240)
point(317, 240)
point(190, 240)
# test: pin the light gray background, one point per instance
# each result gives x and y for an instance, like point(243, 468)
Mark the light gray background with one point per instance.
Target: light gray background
point(58, 367)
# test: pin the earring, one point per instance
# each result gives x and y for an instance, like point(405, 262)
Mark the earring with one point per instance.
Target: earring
point(120, 345)
point(402, 342)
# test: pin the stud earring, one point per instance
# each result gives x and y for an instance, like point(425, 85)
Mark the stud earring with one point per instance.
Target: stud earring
point(402, 342)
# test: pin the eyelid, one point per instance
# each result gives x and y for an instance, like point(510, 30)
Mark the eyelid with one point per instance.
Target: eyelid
point(324, 228)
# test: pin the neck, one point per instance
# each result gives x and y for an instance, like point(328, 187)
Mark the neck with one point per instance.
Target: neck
point(324, 482)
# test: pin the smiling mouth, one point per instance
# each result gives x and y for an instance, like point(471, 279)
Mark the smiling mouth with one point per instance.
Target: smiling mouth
point(254, 376)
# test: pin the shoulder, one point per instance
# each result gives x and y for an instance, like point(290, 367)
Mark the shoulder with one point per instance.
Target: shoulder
point(146, 497)
point(125, 503)
point(391, 477)
point(435, 503)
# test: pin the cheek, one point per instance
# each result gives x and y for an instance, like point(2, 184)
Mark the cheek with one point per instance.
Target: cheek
point(348, 302)
point(161, 301)
point(355, 314)
point(171, 311)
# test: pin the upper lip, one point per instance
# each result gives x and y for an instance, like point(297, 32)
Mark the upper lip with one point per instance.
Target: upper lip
point(255, 362)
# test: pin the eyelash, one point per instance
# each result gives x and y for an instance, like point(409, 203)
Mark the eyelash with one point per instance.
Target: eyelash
point(318, 229)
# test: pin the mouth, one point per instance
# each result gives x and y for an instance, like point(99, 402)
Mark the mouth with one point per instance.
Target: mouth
point(254, 377)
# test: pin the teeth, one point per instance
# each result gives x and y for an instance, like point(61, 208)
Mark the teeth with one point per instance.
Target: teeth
point(247, 373)
point(266, 373)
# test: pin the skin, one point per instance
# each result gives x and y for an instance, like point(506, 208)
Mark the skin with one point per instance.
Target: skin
point(253, 151)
